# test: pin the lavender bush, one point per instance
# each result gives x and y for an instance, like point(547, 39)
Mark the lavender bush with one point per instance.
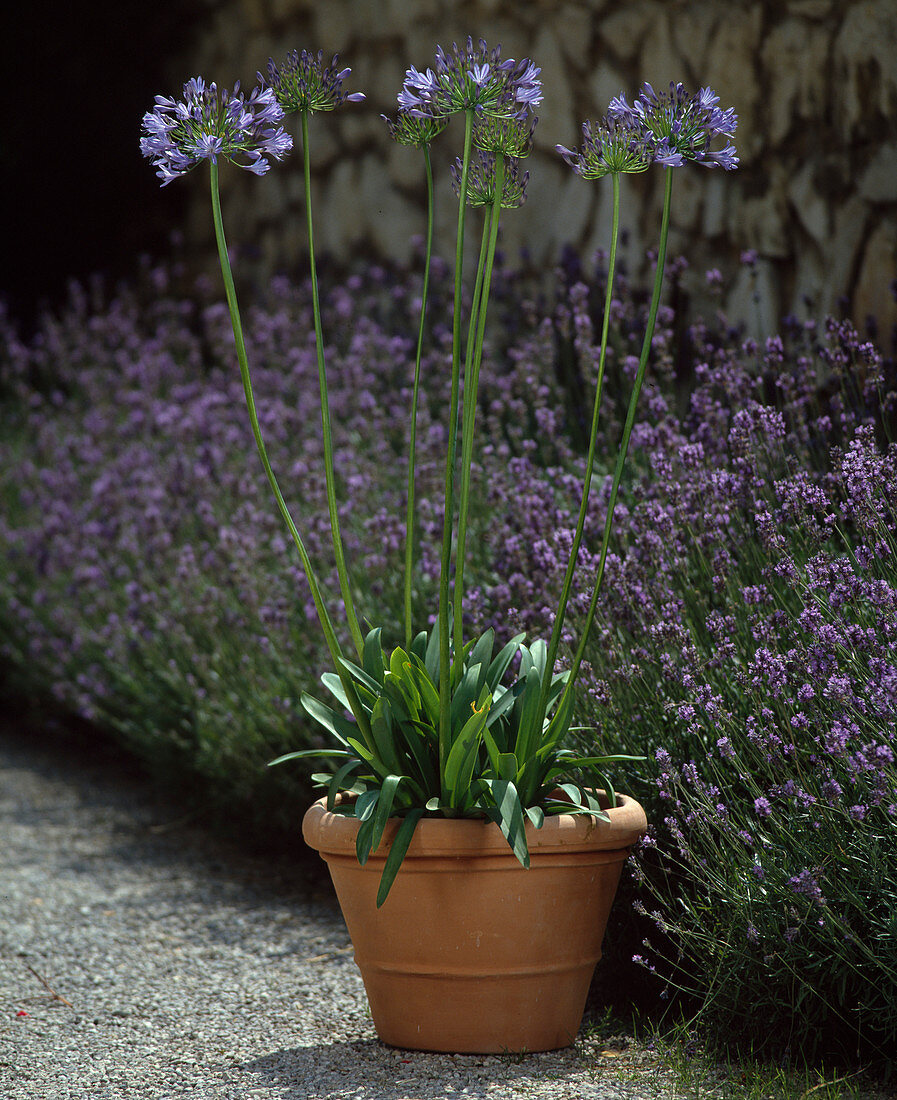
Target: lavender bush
point(752, 584)
point(748, 639)
point(146, 585)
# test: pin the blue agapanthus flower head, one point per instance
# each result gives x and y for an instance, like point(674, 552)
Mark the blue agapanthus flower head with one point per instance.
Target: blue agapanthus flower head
point(304, 83)
point(683, 126)
point(472, 77)
point(209, 123)
point(610, 146)
point(481, 181)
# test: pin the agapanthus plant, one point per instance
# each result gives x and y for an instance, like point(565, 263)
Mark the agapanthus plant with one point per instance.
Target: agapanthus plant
point(434, 727)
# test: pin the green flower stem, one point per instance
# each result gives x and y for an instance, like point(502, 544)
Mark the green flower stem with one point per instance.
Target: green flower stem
point(471, 385)
point(412, 445)
point(555, 640)
point(458, 594)
point(448, 520)
point(627, 432)
point(321, 608)
point(339, 557)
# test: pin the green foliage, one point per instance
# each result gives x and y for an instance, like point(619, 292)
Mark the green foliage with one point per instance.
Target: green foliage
point(503, 760)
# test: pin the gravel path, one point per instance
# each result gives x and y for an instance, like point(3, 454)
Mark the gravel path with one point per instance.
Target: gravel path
point(144, 959)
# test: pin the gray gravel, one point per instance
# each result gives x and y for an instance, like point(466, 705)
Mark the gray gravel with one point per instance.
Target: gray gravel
point(142, 958)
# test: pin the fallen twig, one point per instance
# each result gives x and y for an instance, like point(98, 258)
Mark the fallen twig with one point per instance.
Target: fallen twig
point(56, 996)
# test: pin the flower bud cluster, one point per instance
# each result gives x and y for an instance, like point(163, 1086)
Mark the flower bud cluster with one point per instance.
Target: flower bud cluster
point(481, 181)
point(413, 130)
point(303, 83)
point(610, 146)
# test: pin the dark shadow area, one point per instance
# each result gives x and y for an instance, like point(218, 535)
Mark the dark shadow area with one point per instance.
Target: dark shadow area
point(79, 199)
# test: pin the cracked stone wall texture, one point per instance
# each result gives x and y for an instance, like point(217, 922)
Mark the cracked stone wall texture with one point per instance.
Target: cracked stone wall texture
point(814, 84)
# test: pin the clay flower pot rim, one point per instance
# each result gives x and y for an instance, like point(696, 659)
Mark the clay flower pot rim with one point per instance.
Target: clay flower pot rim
point(333, 832)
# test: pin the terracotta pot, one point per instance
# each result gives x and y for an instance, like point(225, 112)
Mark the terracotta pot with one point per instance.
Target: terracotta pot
point(470, 952)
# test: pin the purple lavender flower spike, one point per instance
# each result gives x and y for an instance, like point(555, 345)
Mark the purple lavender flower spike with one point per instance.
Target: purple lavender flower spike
point(304, 83)
point(682, 125)
point(207, 124)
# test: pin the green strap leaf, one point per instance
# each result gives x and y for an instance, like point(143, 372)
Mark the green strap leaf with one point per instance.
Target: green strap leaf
point(361, 676)
point(338, 782)
point(397, 851)
point(431, 657)
point(560, 723)
point(539, 653)
point(492, 750)
point(304, 754)
point(370, 756)
point(429, 693)
point(372, 656)
point(529, 731)
point(419, 645)
point(508, 767)
point(463, 755)
point(363, 847)
point(536, 815)
point(507, 813)
point(341, 728)
point(384, 808)
point(482, 655)
point(366, 803)
point(334, 685)
point(459, 665)
point(383, 735)
point(465, 694)
point(502, 703)
point(502, 662)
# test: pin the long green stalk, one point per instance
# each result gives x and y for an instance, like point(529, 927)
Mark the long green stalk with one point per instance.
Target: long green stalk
point(555, 639)
point(448, 520)
point(339, 556)
point(471, 385)
point(627, 432)
point(243, 361)
point(412, 445)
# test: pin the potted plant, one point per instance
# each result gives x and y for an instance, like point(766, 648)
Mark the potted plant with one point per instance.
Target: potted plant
point(474, 854)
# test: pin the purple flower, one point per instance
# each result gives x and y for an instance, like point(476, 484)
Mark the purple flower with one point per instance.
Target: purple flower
point(611, 146)
point(303, 83)
point(806, 885)
point(762, 806)
point(683, 125)
point(208, 124)
point(472, 78)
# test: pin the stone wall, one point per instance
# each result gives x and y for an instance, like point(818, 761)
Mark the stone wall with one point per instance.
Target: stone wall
point(814, 84)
